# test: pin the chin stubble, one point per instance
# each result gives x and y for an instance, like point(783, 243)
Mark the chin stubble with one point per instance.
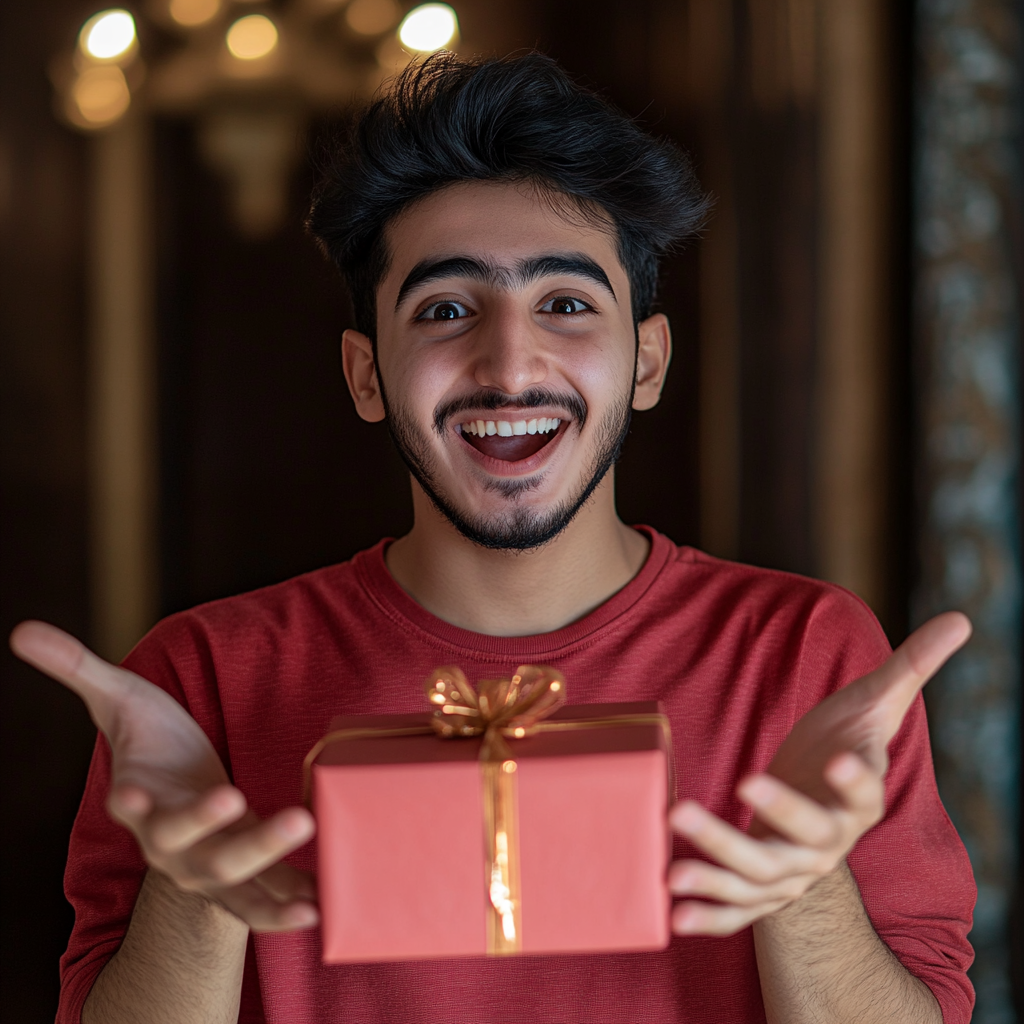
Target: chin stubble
point(518, 528)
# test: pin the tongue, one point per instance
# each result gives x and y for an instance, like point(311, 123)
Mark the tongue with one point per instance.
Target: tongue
point(509, 449)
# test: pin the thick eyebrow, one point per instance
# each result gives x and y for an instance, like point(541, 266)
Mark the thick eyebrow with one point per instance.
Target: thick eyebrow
point(451, 266)
point(525, 271)
point(575, 264)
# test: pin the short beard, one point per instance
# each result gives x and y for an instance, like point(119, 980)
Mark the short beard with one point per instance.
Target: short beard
point(519, 529)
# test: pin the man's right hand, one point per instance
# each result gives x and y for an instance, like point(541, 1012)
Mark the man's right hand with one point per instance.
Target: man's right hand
point(170, 789)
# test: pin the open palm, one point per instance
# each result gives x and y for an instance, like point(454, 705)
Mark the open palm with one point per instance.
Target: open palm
point(171, 789)
point(863, 717)
point(823, 790)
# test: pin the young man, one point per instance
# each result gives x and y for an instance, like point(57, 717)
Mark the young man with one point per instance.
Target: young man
point(499, 229)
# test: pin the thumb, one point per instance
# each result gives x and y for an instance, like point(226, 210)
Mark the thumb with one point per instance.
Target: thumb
point(161, 756)
point(70, 662)
point(915, 661)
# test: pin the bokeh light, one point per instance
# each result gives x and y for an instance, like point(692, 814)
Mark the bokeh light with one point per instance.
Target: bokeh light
point(190, 13)
point(428, 27)
point(371, 17)
point(252, 37)
point(100, 95)
point(108, 35)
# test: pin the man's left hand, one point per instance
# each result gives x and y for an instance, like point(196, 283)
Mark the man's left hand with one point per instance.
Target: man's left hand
point(822, 791)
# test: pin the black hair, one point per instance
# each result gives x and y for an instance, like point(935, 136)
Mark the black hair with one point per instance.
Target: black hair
point(517, 119)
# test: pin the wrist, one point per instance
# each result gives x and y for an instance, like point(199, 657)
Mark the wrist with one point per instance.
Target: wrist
point(823, 892)
point(181, 961)
point(199, 910)
point(820, 958)
point(819, 903)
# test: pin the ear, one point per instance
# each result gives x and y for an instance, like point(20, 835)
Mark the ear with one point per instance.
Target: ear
point(361, 375)
point(653, 355)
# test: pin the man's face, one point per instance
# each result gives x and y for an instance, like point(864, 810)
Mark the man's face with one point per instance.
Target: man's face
point(506, 355)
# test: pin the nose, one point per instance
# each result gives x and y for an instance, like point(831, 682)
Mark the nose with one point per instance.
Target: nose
point(509, 356)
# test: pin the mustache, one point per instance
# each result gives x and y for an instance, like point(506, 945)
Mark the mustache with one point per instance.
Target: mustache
point(495, 400)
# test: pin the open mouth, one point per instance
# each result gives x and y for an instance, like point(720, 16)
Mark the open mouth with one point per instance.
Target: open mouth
point(510, 440)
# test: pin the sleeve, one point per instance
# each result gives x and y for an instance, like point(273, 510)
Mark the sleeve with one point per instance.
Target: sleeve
point(105, 868)
point(102, 880)
point(913, 872)
point(915, 878)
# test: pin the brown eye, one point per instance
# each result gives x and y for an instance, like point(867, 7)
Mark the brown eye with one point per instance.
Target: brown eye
point(444, 311)
point(564, 305)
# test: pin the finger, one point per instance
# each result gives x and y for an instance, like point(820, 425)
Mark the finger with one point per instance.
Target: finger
point(173, 831)
point(696, 918)
point(695, 878)
point(286, 883)
point(261, 912)
point(758, 860)
point(859, 787)
point(914, 662)
point(233, 859)
point(791, 814)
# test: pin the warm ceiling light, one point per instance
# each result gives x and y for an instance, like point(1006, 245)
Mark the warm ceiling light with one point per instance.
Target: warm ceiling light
point(428, 27)
point(190, 13)
point(101, 95)
point(371, 17)
point(108, 35)
point(252, 37)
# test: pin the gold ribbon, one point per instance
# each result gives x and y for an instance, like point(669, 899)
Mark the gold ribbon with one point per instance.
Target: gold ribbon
point(497, 710)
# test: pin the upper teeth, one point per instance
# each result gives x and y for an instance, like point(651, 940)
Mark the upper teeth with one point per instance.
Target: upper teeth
point(506, 428)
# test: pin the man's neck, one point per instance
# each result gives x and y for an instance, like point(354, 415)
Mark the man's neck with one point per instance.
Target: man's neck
point(517, 593)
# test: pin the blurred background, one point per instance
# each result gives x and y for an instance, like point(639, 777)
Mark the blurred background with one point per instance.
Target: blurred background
point(845, 398)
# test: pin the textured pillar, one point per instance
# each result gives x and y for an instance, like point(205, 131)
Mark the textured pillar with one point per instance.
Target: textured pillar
point(968, 193)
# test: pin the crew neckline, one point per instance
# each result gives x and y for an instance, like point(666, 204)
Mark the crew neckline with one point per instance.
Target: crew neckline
point(406, 612)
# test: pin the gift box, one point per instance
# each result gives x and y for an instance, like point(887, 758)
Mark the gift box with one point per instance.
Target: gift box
point(500, 823)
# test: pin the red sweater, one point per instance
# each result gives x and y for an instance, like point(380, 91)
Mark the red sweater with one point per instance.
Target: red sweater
point(735, 654)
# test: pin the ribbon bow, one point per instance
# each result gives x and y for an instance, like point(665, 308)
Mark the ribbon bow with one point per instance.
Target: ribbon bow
point(496, 709)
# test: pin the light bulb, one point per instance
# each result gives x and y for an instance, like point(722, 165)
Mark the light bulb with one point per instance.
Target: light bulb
point(428, 27)
point(252, 37)
point(108, 35)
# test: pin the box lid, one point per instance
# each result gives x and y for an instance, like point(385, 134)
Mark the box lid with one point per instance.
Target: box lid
point(564, 734)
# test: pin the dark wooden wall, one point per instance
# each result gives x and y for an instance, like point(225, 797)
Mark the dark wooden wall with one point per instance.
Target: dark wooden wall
point(267, 471)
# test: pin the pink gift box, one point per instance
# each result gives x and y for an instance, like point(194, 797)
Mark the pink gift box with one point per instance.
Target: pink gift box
point(402, 856)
